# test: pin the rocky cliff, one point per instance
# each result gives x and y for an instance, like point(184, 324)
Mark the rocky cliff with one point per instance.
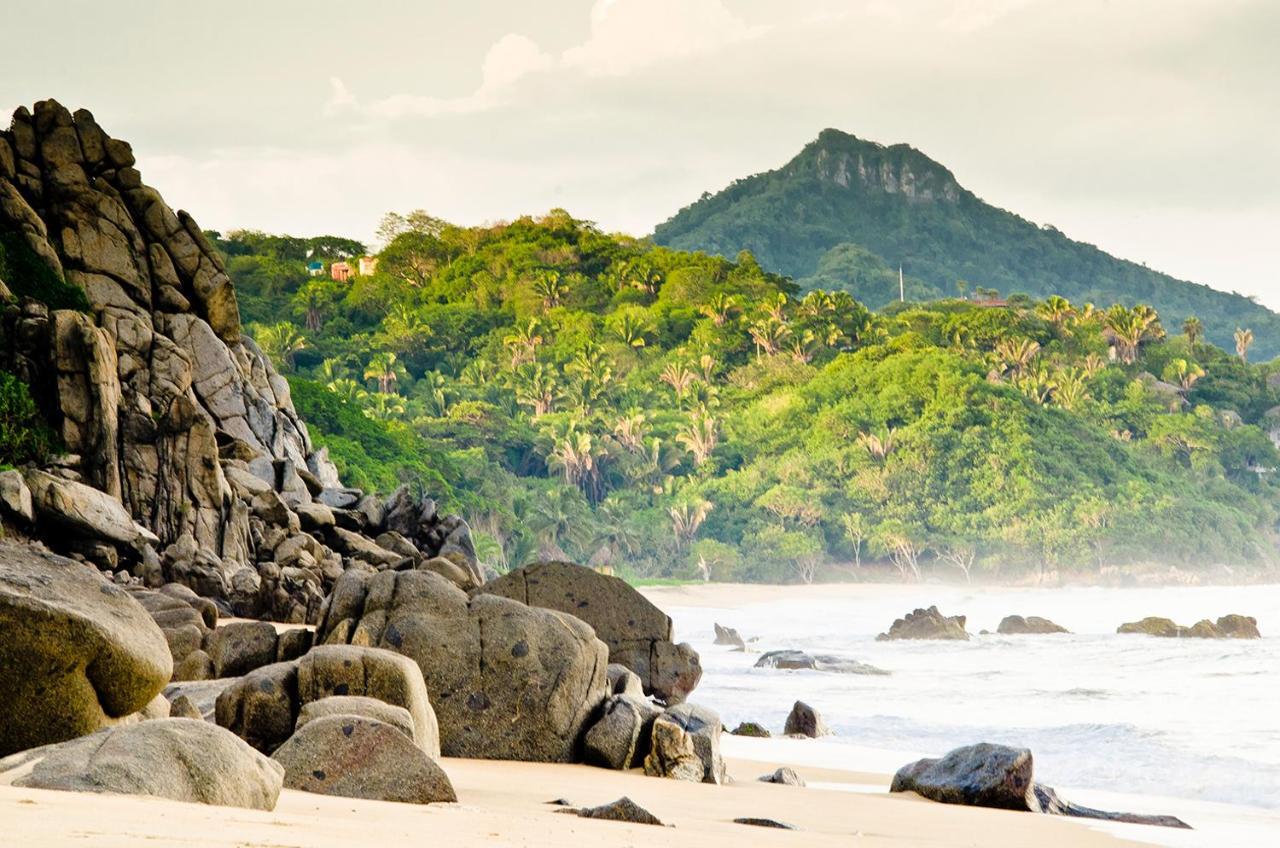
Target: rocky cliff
point(163, 406)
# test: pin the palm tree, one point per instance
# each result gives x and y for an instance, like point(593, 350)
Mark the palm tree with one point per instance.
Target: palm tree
point(536, 387)
point(280, 342)
point(879, 447)
point(707, 365)
point(1130, 328)
point(1035, 383)
point(700, 438)
point(1193, 329)
point(1069, 387)
point(1056, 310)
point(434, 384)
point(548, 286)
point(631, 430)
point(574, 457)
point(679, 377)
point(523, 342)
point(386, 369)
point(1093, 365)
point(1015, 355)
point(1183, 373)
point(333, 369)
point(654, 464)
point(630, 330)
point(803, 347)
point(347, 389)
point(721, 308)
point(1244, 339)
point(769, 334)
point(643, 276)
point(560, 517)
point(686, 518)
point(384, 407)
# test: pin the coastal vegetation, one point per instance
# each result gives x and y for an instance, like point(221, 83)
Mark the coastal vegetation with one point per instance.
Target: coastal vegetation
point(581, 395)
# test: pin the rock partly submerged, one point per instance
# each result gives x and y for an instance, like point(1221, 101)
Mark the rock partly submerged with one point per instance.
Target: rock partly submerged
point(926, 624)
point(1016, 625)
point(794, 660)
point(1231, 626)
point(998, 776)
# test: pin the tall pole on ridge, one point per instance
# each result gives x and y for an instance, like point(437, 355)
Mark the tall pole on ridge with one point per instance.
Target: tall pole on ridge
point(902, 292)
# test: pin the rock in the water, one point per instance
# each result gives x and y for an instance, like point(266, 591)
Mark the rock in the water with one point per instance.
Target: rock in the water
point(358, 705)
point(784, 776)
point(1227, 627)
point(638, 634)
point(356, 757)
point(623, 810)
point(178, 758)
point(751, 728)
point(76, 653)
point(1152, 626)
point(798, 660)
point(1235, 626)
point(525, 691)
point(729, 636)
point(804, 720)
point(1033, 624)
point(686, 745)
point(926, 624)
point(620, 739)
point(986, 775)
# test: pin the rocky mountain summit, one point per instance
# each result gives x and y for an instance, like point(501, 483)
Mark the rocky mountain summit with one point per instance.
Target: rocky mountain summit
point(189, 491)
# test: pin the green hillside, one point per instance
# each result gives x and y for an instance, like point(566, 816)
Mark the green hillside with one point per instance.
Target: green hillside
point(673, 414)
point(846, 213)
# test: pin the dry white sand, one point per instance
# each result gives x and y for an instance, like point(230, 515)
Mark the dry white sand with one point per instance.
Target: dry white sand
point(504, 803)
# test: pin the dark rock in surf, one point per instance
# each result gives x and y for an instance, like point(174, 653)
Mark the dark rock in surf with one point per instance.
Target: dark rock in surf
point(793, 660)
point(926, 624)
point(804, 720)
point(1016, 625)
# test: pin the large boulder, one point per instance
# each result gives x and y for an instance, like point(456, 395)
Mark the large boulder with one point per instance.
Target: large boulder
point(180, 759)
point(620, 739)
point(507, 681)
point(794, 660)
point(729, 636)
point(1231, 626)
point(1235, 626)
point(76, 653)
point(358, 705)
point(926, 624)
point(82, 511)
point(357, 757)
point(686, 745)
point(639, 635)
point(1016, 625)
point(987, 775)
point(263, 706)
point(1152, 626)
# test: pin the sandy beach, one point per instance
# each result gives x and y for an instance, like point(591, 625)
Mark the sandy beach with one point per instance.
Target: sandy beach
point(504, 803)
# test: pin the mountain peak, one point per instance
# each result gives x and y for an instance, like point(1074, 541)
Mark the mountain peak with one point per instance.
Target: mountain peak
point(844, 160)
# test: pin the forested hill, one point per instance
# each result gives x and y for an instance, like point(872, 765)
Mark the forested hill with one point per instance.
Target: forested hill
point(845, 213)
point(581, 395)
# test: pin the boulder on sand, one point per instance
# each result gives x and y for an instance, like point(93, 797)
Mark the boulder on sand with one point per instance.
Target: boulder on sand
point(1016, 625)
point(360, 706)
point(926, 624)
point(77, 653)
point(621, 737)
point(357, 757)
point(986, 775)
point(622, 810)
point(804, 720)
point(751, 728)
point(784, 776)
point(686, 745)
point(263, 706)
point(638, 634)
point(178, 758)
point(507, 681)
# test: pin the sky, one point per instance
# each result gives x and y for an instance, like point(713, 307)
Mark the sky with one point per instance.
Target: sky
point(1150, 128)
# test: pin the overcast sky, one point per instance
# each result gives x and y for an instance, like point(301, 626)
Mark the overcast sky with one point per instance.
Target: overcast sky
point(1149, 128)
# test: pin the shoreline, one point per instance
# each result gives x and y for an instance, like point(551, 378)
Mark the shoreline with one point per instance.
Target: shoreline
point(505, 803)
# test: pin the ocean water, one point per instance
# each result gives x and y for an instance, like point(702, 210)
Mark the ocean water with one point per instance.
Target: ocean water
point(1195, 723)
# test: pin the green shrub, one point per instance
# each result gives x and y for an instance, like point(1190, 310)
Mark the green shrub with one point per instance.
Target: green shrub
point(24, 435)
point(27, 275)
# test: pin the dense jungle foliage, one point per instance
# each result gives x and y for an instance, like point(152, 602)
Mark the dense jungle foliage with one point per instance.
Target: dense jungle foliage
point(677, 414)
